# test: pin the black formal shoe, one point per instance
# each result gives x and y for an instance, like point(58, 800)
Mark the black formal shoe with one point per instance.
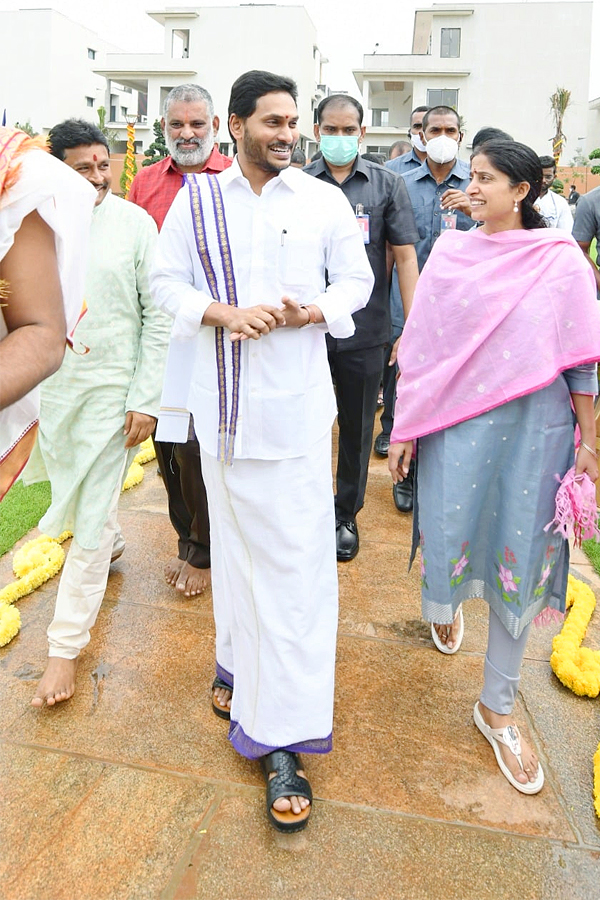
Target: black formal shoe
point(346, 537)
point(403, 491)
point(382, 444)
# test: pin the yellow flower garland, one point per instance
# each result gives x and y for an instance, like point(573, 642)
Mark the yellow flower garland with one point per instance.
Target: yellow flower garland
point(42, 558)
point(579, 667)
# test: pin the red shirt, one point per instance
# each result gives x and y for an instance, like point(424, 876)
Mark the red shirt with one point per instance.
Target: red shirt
point(155, 187)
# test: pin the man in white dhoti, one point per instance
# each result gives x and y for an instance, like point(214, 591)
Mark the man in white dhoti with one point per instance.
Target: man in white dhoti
point(101, 403)
point(241, 266)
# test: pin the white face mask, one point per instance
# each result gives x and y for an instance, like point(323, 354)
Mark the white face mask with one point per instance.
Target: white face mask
point(417, 143)
point(442, 149)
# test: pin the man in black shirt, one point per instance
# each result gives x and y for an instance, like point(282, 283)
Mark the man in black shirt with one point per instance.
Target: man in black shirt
point(384, 212)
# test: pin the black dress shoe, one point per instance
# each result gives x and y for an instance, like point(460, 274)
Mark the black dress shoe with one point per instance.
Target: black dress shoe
point(346, 536)
point(403, 491)
point(382, 444)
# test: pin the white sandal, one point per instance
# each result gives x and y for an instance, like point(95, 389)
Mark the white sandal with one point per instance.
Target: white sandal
point(511, 738)
point(444, 648)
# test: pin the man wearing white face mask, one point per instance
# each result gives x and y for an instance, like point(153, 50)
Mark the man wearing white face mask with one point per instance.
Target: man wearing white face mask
point(417, 155)
point(383, 211)
point(437, 187)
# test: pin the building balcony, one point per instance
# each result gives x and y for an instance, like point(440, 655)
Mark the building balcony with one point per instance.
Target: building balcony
point(389, 67)
point(133, 69)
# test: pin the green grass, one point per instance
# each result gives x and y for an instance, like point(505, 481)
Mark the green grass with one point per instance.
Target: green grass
point(592, 551)
point(21, 510)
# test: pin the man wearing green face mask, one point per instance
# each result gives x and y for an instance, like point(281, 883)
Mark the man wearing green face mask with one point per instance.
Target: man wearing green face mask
point(382, 206)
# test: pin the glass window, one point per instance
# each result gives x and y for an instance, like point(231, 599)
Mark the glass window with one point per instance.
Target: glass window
point(89, 101)
point(381, 117)
point(450, 43)
point(91, 53)
point(445, 97)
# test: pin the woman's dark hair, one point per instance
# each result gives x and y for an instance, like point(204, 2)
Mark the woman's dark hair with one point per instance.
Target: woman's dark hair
point(247, 90)
point(519, 163)
point(74, 133)
point(489, 133)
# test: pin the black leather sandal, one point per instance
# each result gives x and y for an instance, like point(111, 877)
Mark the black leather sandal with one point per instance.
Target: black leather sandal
point(286, 783)
point(221, 711)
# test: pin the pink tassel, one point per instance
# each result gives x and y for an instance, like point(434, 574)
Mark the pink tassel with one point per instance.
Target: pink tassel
point(576, 515)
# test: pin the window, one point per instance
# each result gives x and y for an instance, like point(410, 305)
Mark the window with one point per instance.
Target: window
point(381, 117)
point(89, 101)
point(444, 97)
point(450, 43)
point(123, 112)
point(180, 43)
point(91, 53)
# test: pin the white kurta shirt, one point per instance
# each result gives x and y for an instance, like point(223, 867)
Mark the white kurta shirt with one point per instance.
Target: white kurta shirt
point(555, 210)
point(283, 242)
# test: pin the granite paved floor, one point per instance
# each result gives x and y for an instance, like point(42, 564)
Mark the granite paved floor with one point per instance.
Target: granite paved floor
point(131, 790)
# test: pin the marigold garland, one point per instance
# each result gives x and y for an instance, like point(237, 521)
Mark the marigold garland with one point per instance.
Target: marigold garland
point(42, 558)
point(10, 623)
point(579, 667)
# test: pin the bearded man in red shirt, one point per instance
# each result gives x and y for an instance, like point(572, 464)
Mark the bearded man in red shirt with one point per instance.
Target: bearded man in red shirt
point(190, 128)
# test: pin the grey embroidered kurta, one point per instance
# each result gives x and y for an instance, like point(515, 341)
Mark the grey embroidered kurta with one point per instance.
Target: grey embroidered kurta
point(84, 404)
point(486, 489)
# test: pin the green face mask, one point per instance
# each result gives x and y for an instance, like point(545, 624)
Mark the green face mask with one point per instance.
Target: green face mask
point(339, 149)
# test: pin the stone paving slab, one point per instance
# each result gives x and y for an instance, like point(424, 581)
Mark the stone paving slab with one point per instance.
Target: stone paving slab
point(148, 800)
point(353, 854)
point(75, 828)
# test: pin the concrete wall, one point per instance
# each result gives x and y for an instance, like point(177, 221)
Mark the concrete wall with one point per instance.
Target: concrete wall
point(45, 71)
point(512, 58)
point(225, 42)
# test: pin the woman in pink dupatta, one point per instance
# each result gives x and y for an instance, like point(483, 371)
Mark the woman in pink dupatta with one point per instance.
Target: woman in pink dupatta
point(498, 359)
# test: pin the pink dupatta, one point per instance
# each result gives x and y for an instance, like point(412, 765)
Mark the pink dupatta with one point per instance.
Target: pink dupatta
point(494, 317)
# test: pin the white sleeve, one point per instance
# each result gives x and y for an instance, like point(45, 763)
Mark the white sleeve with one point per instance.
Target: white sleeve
point(173, 273)
point(349, 272)
point(565, 217)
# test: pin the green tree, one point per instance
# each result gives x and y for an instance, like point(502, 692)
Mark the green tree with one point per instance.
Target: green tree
point(26, 128)
point(557, 186)
point(110, 135)
point(157, 149)
point(595, 154)
point(123, 181)
point(579, 159)
point(559, 103)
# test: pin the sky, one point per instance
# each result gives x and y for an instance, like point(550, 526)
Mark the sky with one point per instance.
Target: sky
point(346, 29)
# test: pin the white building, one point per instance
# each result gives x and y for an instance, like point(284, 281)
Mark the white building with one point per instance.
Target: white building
point(212, 46)
point(47, 71)
point(495, 63)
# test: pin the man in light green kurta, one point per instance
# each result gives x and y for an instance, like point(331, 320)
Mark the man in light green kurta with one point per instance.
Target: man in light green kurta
point(100, 405)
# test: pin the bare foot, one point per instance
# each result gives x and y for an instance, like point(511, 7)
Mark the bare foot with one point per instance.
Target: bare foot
point(448, 634)
point(57, 683)
point(172, 570)
point(192, 581)
point(528, 755)
point(222, 697)
point(295, 804)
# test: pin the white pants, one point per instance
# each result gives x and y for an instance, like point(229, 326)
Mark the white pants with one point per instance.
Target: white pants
point(275, 595)
point(82, 586)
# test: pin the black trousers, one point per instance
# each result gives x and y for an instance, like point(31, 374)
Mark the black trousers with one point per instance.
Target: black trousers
point(389, 386)
point(357, 376)
point(188, 506)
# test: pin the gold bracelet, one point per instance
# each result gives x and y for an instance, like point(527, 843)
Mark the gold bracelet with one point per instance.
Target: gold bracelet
point(312, 316)
point(589, 449)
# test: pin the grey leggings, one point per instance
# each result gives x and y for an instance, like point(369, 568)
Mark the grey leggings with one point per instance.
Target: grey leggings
point(502, 667)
